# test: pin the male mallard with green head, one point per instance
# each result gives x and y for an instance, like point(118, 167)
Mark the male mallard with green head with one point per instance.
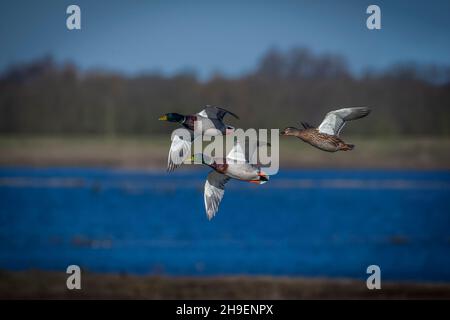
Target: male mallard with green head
point(208, 122)
point(326, 136)
point(234, 166)
point(210, 118)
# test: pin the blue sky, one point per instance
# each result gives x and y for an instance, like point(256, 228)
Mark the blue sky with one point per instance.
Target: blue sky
point(227, 36)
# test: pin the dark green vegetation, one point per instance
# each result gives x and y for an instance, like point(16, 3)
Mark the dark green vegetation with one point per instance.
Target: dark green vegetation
point(49, 98)
point(52, 285)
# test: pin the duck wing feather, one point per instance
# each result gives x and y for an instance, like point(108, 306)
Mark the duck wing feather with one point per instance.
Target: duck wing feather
point(179, 150)
point(335, 120)
point(214, 190)
point(212, 112)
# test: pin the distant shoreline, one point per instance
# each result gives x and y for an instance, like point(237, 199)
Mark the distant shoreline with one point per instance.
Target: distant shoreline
point(150, 153)
point(35, 284)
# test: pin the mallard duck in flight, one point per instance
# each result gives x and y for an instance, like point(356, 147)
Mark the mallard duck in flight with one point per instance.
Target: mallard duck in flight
point(326, 136)
point(234, 166)
point(210, 120)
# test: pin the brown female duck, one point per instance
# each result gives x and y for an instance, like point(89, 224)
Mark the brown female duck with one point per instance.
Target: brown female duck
point(326, 136)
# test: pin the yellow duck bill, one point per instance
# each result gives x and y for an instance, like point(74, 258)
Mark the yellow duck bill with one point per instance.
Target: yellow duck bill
point(163, 118)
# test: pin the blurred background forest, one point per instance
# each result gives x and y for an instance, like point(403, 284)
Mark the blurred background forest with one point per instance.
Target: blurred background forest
point(48, 98)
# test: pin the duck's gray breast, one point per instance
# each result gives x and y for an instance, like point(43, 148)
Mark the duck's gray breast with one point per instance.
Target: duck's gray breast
point(243, 171)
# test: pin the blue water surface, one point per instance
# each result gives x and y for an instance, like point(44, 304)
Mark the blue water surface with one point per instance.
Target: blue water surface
point(301, 223)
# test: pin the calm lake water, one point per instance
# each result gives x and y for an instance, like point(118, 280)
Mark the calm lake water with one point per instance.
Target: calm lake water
point(301, 223)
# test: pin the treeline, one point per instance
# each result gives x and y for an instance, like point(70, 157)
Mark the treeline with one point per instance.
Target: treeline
point(45, 97)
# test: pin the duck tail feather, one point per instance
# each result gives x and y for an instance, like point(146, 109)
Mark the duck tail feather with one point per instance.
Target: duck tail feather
point(348, 147)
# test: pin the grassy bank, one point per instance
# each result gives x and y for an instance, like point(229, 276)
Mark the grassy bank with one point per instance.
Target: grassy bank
point(151, 152)
point(52, 285)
